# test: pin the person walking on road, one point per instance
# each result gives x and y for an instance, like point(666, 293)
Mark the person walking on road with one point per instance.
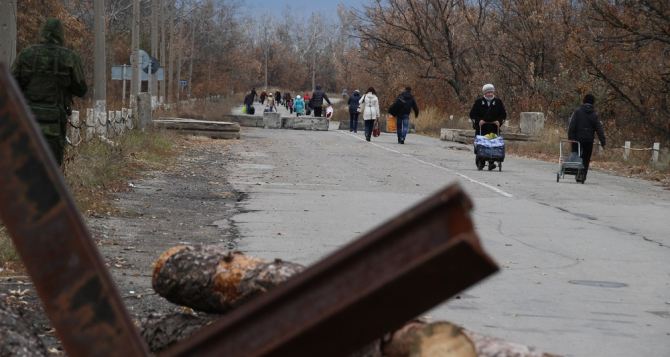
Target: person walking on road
point(49, 75)
point(488, 114)
point(401, 109)
point(299, 106)
point(249, 102)
point(584, 124)
point(354, 110)
point(316, 103)
point(270, 106)
point(370, 106)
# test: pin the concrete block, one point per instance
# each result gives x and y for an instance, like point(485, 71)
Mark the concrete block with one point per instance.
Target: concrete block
point(447, 134)
point(272, 120)
point(307, 123)
point(532, 123)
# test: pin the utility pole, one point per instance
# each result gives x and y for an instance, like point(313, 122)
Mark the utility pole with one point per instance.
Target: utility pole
point(135, 81)
point(8, 33)
point(100, 66)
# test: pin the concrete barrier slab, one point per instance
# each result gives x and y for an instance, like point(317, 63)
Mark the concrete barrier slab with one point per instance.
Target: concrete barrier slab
point(531, 123)
point(272, 120)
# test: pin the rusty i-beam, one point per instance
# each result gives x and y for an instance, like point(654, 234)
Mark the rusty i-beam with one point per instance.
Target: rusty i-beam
point(369, 287)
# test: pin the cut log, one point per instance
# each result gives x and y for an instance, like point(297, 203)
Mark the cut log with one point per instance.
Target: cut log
point(17, 336)
point(214, 279)
point(418, 339)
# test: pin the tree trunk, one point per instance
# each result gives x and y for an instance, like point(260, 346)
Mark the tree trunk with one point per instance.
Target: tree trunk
point(100, 66)
point(190, 61)
point(163, 58)
point(153, 83)
point(135, 81)
point(8, 34)
point(171, 47)
point(214, 279)
point(17, 336)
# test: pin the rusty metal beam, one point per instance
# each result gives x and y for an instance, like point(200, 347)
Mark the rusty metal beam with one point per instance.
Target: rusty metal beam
point(372, 286)
point(49, 234)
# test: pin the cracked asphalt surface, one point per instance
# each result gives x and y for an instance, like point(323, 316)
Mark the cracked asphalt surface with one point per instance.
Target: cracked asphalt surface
point(584, 267)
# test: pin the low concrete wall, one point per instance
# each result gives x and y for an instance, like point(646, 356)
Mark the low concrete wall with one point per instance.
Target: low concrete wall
point(305, 123)
point(272, 120)
point(275, 121)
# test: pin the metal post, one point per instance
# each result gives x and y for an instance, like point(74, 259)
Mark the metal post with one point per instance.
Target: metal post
point(626, 150)
point(654, 153)
point(123, 75)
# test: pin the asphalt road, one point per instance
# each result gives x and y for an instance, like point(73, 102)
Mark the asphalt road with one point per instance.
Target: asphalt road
point(584, 268)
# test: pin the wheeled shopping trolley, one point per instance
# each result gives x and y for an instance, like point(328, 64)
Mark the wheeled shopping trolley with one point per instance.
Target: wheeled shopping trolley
point(572, 164)
point(489, 150)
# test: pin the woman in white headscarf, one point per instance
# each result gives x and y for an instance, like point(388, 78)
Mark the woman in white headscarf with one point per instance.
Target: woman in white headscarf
point(370, 107)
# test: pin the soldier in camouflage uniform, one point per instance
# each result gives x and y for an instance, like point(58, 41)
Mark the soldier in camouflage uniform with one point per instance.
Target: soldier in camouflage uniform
point(49, 75)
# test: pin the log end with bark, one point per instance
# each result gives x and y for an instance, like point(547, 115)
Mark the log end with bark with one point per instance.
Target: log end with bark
point(419, 339)
point(214, 279)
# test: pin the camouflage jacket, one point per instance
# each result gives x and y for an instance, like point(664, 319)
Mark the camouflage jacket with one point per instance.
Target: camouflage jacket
point(49, 74)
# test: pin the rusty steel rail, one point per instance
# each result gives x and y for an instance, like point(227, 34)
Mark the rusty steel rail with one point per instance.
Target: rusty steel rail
point(371, 286)
point(48, 232)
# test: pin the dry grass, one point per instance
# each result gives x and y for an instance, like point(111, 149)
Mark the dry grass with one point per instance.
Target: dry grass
point(8, 256)
point(96, 169)
point(431, 120)
point(202, 109)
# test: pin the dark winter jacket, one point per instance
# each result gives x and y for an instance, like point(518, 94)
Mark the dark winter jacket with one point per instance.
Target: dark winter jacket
point(403, 105)
point(317, 98)
point(353, 102)
point(487, 111)
point(249, 99)
point(584, 124)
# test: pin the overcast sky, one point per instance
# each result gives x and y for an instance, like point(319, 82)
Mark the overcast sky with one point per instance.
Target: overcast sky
point(301, 8)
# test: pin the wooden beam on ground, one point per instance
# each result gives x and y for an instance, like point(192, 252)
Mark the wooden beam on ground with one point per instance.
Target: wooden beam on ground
point(467, 136)
point(212, 129)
